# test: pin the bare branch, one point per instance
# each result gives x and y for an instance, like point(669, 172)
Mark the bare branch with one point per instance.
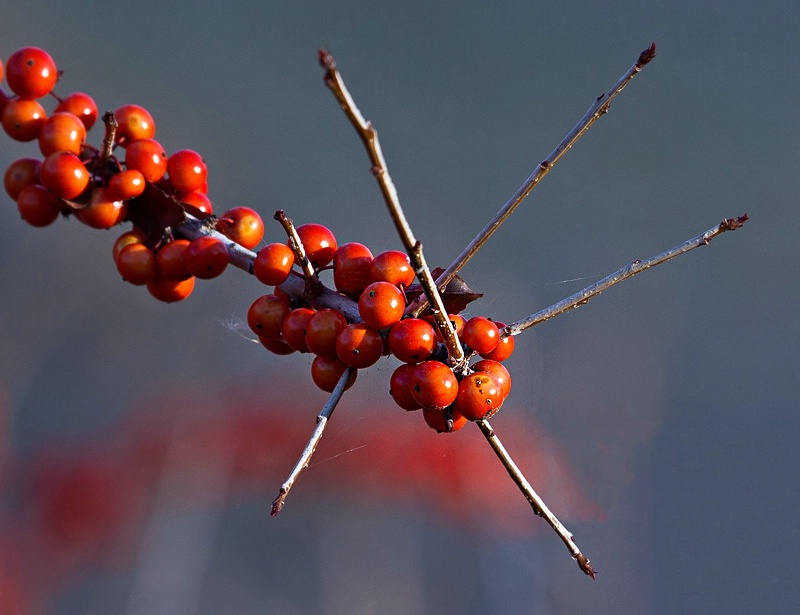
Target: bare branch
point(598, 108)
point(630, 270)
point(369, 137)
point(536, 502)
point(313, 285)
point(308, 451)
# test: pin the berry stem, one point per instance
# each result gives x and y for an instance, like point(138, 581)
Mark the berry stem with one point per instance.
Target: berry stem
point(597, 109)
point(308, 451)
point(313, 285)
point(536, 502)
point(628, 271)
point(369, 137)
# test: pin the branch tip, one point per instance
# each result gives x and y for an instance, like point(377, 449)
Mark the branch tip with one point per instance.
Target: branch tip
point(277, 504)
point(585, 565)
point(326, 60)
point(647, 55)
point(731, 224)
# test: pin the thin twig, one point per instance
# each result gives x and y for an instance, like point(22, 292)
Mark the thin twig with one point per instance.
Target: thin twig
point(369, 137)
point(313, 285)
point(110, 123)
point(308, 451)
point(536, 502)
point(598, 108)
point(630, 270)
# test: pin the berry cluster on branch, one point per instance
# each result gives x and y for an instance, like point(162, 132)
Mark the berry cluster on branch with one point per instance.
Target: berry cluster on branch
point(451, 367)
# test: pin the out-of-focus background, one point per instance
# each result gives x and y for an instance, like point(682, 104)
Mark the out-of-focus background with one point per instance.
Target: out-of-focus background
point(143, 442)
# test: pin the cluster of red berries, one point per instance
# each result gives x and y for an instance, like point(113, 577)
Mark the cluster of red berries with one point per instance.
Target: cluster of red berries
point(146, 187)
point(424, 381)
point(73, 178)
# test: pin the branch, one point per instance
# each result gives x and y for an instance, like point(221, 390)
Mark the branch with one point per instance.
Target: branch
point(313, 285)
point(597, 109)
point(630, 270)
point(369, 137)
point(538, 505)
point(308, 451)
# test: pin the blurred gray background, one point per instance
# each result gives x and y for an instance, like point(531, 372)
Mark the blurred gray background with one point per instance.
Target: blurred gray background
point(673, 396)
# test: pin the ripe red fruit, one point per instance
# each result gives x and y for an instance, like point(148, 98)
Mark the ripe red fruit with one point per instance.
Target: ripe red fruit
point(400, 387)
point(126, 185)
point(103, 210)
point(133, 123)
point(127, 238)
point(433, 385)
point(480, 334)
point(412, 340)
point(148, 157)
point(479, 396)
point(136, 263)
point(359, 346)
point(392, 266)
point(242, 225)
point(504, 348)
point(498, 370)
point(63, 174)
point(170, 260)
point(170, 291)
point(206, 257)
point(318, 242)
point(81, 106)
point(199, 200)
point(276, 345)
point(351, 264)
point(437, 419)
point(326, 372)
point(322, 330)
point(273, 264)
point(31, 72)
point(37, 206)
point(265, 316)
point(61, 132)
point(21, 173)
point(187, 170)
point(381, 305)
point(294, 327)
point(23, 118)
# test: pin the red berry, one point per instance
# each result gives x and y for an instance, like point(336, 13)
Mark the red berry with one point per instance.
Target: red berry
point(20, 174)
point(359, 346)
point(148, 157)
point(187, 170)
point(351, 264)
point(497, 370)
point(126, 185)
point(392, 266)
point(23, 118)
point(206, 257)
point(31, 72)
point(126, 239)
point(294, 327)
point(81, 106)
point(37, 206)
point(437, 419)
point(170, 291)
point(133, 123)
point(327, 371)
point(504, 348)
point(276, 345)
point(199, 200)
point(433, 385)
point(412, 340)
point(136, 263)
point(322, 330)
point(170, 260)
point(273, 264)
point(480, 334)
point(63, 174)
point(457, 320)
point(400, 387)
point(266, 314)
point(479, 396)
point(242, 225)
point(318, 242)
point(61, 132)
point(103, 210)
point(381, 305)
